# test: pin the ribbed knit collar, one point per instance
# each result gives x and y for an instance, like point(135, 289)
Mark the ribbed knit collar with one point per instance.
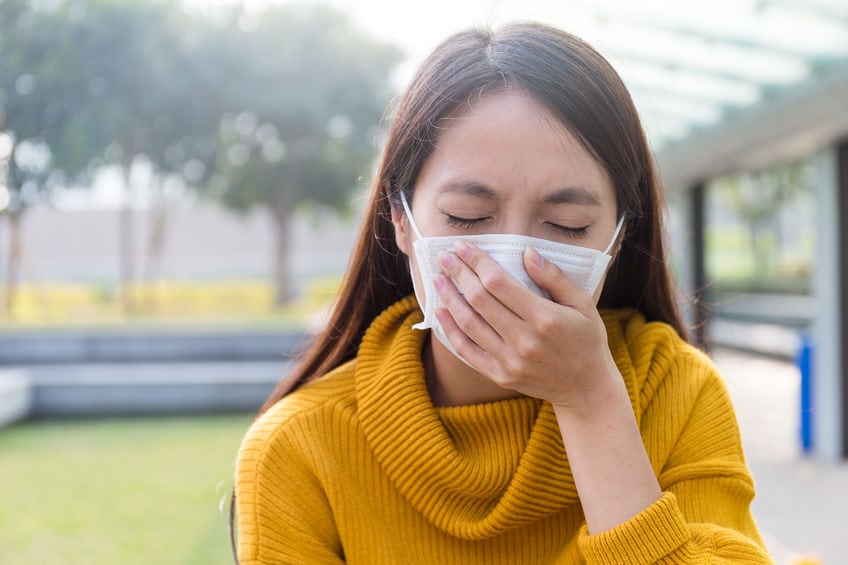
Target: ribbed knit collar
point(473, 471)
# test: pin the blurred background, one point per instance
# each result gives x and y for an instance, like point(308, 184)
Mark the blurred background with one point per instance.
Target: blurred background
point(181, 185)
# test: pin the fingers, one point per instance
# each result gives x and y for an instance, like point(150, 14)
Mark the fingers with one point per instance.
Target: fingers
point(495, 312)
point(485, 284)
point(467, 349)
point(550, 278)
point(467, 319)
point(498, 364)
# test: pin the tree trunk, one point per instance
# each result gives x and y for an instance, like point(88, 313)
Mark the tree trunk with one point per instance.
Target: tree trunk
point(282, 221)
point(155, 245)
point(125, 247)
point(13, 266)
point(761, 252)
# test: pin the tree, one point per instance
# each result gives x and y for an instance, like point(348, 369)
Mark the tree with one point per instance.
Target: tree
point(758, 198)
point(151, 107)
point(307, 90)
point(42, 84)
point(281, 108)
point(108, 82)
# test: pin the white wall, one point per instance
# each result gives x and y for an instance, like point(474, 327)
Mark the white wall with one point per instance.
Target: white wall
point(203, 242)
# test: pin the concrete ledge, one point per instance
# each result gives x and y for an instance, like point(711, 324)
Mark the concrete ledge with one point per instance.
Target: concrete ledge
point(15, 396)
point(145, 346)
point(769, 340)
point(152, 389)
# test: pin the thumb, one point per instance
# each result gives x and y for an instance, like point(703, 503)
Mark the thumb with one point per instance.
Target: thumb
point(551, 279)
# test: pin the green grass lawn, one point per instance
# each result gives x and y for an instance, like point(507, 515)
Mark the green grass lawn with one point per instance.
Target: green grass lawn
point(128, 491)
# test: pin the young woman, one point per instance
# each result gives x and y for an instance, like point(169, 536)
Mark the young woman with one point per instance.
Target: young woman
point(505, 377)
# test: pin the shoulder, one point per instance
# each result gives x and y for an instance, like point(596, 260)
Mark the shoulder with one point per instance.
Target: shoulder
point(282, 507)
point(653, 356)
point(679, 398)
point(299, 416)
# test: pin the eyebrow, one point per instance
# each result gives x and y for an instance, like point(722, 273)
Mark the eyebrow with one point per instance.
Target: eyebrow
point(569, 195)
point(471, 188)
point(573, 195)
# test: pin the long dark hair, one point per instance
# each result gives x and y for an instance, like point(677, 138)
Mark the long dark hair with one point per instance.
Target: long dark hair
point(578, 86)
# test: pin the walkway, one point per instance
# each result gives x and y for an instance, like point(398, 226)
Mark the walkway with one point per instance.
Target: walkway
point(802, 504)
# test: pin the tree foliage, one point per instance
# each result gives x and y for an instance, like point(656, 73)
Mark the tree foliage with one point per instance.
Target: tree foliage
point(276, 109)
point(758, 199)
point(308, 102)
point(306, 91)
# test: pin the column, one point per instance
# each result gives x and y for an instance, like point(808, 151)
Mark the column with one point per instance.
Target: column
point(697, 264)
point(830, 338)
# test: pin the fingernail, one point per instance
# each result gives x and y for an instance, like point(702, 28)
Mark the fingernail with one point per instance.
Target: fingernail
point(534, 256)
point(439, 282)
point(445, 260)
point(462, 249)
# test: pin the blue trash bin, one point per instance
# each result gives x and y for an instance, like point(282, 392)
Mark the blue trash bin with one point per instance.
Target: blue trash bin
point(805, 366)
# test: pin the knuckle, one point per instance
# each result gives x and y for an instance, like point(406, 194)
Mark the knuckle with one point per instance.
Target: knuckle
point(493, 280)
point(449, 263)
point(461, 348)
point(476, 296)
point(585, 300)
point(466, 324)
point(505, 378)
point(514, 366)
point(473, 258)
point(546, 323)
point(525, 349)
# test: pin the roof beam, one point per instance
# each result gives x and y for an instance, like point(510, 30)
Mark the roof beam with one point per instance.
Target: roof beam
point(788, 126)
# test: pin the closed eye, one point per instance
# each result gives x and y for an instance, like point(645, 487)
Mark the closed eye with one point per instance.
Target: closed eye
point(576, 233)
point(466, 223)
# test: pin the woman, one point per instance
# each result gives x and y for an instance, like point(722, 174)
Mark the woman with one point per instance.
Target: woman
point(559, 416)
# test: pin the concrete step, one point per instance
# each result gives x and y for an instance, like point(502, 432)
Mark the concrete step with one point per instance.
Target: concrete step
point(15, 396)
point(145, 346)
point(787, 310)
point(111, 389)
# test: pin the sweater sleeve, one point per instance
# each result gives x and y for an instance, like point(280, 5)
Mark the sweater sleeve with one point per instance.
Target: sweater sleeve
point(283, 514)
point(704, 513)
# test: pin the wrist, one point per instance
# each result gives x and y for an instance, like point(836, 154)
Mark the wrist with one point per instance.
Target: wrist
point(603, 392)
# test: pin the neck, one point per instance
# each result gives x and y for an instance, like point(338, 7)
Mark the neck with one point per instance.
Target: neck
point(451, 382)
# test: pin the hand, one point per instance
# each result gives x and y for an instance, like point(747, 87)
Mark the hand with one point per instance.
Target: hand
point(555, 350)
point(550, 349)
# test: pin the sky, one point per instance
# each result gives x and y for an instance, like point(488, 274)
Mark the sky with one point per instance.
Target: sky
point(685, 63)
point(417, 27)
point(681, 78)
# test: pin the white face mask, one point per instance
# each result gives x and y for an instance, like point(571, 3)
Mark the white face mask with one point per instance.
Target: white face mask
point(584, 265)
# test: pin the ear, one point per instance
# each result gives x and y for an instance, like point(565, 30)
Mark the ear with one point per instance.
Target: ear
point(401, 225)
point(616, 249)
point(614, 253)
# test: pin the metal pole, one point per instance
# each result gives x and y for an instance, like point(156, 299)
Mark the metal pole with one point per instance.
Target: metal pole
point(842, 272)
point(700, 313)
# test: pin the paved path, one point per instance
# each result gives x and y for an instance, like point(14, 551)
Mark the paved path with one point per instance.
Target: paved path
point(802, 504)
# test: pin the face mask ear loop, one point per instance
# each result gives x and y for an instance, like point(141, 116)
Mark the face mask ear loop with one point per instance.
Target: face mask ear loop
point(614, 236)
point(412, 220)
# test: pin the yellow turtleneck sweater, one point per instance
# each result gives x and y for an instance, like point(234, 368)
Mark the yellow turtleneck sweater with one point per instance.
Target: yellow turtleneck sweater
point(360, 467)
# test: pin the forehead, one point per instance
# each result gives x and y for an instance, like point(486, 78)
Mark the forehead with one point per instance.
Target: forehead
point(512, 144)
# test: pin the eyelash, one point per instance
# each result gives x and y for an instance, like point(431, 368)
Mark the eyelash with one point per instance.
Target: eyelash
point(576, 233)
point(468, 223)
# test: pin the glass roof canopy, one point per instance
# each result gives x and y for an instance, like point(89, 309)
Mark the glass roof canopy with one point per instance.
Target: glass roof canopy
point(693, 66)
